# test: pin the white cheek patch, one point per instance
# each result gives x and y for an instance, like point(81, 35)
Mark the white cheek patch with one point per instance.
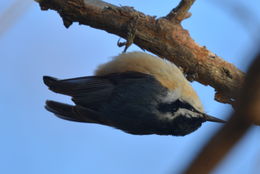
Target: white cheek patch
point(187, 113)
point(180, 112)
point(166, 116)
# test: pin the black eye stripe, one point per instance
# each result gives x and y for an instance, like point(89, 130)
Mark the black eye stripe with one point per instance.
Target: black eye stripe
point(174, 106)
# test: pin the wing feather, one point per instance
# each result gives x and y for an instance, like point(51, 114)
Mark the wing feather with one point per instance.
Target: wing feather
point(89, 94)
point(91, 91)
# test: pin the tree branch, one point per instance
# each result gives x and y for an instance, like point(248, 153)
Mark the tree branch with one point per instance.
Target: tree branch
point(181, 11)
point(247, 113)
point(159, 36)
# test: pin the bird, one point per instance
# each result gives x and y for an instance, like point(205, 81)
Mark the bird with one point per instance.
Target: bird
point(135, 92)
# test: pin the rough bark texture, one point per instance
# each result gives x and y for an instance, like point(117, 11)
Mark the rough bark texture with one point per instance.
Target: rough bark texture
point(161, 36)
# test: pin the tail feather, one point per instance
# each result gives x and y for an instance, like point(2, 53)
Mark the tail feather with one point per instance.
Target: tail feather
point(67, 112)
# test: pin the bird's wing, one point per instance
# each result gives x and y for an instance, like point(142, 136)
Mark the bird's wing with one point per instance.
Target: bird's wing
point(88, 93)
point(91, 91)
point(85, 91)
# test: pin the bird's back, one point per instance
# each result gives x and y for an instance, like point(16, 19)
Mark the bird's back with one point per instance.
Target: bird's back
point(167, 73)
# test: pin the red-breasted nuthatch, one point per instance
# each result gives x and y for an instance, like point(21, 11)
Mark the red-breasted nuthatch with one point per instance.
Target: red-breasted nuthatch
point(135, 92)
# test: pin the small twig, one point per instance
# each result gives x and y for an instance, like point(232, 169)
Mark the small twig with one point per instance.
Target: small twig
point(247, 113)
point(181, 11)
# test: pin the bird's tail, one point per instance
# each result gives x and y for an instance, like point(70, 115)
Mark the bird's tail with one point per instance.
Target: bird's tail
point(69, 112)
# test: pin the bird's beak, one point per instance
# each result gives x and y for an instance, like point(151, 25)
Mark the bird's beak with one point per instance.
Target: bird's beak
point(213, 119)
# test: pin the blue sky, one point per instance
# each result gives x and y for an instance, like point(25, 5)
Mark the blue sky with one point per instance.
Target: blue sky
point(34, 141)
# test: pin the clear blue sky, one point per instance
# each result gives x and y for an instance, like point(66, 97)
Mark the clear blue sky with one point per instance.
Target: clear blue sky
point(33, 141)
